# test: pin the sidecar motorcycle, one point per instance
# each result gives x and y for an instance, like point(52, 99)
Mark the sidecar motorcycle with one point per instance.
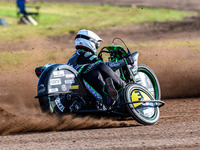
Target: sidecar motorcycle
point(61, 90)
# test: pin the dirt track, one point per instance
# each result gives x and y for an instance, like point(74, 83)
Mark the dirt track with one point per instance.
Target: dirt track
point(178, 128)
point(179, 75)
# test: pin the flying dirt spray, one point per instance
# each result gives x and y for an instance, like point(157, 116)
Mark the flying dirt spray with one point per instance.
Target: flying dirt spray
point(12, 123)
point(20, 112)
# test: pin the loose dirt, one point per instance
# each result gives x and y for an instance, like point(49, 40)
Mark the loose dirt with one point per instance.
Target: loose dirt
point(23, 126)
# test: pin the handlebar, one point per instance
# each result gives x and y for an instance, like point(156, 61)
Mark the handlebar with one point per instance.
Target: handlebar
point(122, 42)
point(116, 51)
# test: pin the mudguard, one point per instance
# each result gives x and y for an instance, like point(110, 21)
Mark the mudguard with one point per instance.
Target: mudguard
point(58, 79)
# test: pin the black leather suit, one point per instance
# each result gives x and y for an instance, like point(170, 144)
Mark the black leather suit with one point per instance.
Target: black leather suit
point(94, 72)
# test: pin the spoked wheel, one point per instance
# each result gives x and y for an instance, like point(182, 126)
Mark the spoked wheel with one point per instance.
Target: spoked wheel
point(141, 104)
point(146, 77)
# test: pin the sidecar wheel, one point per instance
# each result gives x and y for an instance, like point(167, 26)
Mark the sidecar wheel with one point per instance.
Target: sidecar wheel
point(146, 113)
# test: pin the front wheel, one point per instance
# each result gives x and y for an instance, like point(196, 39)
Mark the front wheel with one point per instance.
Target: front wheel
point(141, 104)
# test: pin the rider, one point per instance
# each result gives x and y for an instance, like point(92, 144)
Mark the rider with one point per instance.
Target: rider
point(99, 77)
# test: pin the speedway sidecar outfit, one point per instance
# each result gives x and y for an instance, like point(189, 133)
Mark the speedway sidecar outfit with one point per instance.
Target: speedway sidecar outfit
point(99, 77)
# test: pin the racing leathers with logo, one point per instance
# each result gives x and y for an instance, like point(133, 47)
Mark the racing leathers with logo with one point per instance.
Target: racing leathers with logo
point(95, 73)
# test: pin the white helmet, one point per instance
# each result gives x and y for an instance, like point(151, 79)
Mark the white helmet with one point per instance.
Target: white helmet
point(87, 39)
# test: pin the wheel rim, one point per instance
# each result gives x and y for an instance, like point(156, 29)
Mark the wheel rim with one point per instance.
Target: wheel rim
point(147, 109)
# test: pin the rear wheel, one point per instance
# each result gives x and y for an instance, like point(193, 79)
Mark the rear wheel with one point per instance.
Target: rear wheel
point(54, 104)
point(146, 113)
point(44, 103)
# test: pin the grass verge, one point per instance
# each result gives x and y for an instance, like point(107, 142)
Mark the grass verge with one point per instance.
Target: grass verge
point(58, 19)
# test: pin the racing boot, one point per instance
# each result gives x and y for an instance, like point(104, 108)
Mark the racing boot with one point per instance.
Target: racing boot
point(112, 92)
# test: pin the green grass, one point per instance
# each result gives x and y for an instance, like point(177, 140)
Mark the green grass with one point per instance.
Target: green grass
point(10, 61)
point(58, 19)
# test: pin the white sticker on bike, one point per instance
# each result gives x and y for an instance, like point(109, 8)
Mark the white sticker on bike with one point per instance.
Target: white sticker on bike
point(59, 73)
point(53, 90)
point(59, 104)
point(69, 81)
point(64, 88)
point(70, 75)
point(55, 81)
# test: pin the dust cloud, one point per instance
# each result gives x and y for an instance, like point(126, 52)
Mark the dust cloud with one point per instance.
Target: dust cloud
point(20, 112)
point(13, 123)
